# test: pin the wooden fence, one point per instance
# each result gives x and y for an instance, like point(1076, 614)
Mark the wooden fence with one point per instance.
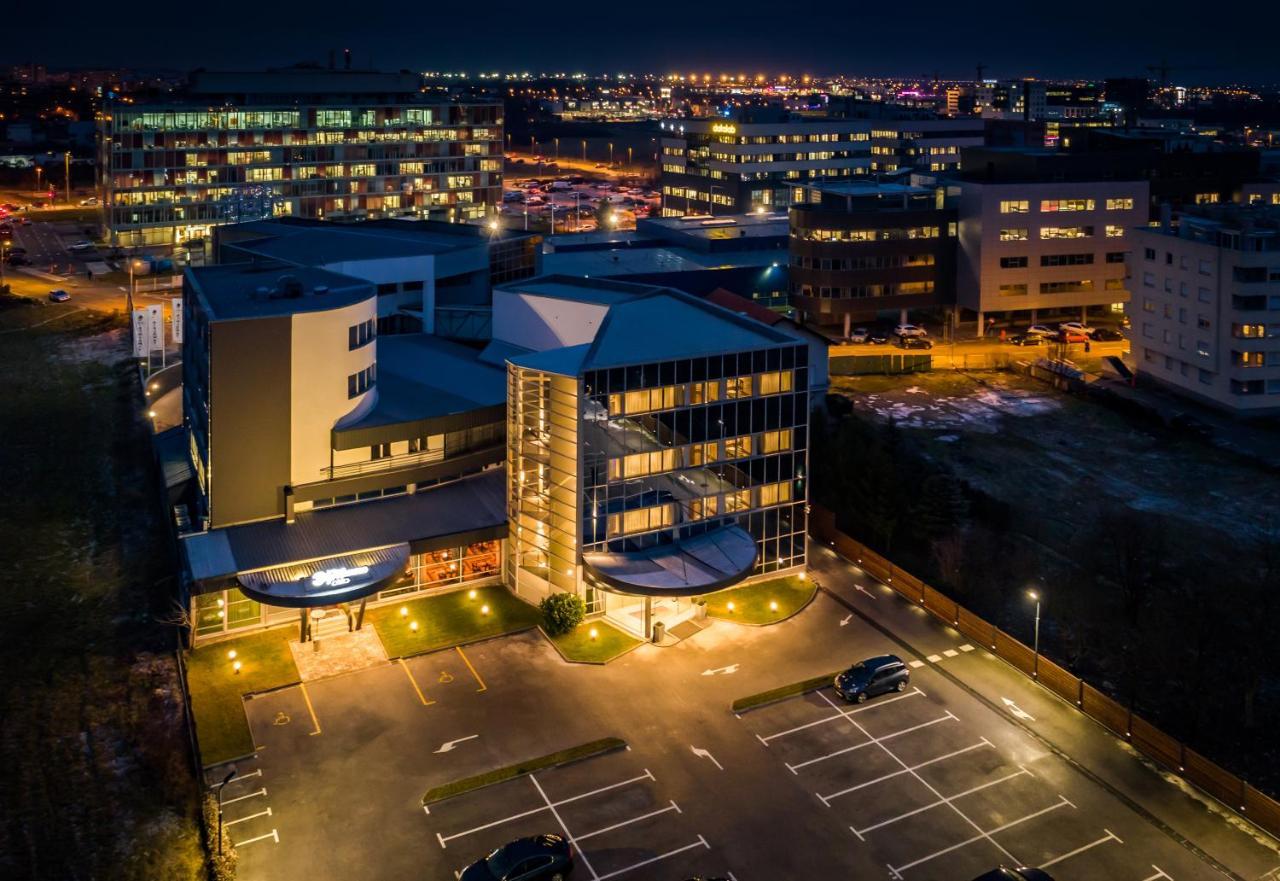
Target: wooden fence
point(1149, 740)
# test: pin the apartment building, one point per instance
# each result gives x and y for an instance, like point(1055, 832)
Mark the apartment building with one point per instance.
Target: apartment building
point(748, 163)
point(1025, 99)
point(927, 144)
point(859, 248)
point(332, 144)
point(1039, 234)
point(1205, 312)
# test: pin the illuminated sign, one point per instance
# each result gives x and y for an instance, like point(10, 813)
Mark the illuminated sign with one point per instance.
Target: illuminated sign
point(723, 128)
point(336, 577)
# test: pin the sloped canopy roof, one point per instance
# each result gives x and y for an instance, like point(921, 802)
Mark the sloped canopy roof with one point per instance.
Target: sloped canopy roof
point(702, 564)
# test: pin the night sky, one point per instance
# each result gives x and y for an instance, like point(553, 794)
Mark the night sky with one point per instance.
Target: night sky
point(1233, 42)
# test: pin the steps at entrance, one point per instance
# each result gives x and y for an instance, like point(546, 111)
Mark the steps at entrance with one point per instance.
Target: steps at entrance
point(332, 624)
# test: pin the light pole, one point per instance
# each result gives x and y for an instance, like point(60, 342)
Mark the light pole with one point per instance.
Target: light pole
point(39, 172)
point(1034, 596)
point(628, 157)
point(66, 171)
point(225, 781)
point(611, 155)
point(557, 140)
point(584, 150)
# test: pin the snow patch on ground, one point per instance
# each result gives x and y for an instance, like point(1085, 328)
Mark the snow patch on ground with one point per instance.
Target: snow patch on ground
point(980, 411)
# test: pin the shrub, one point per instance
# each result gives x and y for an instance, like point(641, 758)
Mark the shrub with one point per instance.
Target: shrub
point(561, 612)
point(222, 866)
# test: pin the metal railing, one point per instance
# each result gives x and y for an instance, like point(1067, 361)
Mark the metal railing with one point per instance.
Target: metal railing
point(389, 463)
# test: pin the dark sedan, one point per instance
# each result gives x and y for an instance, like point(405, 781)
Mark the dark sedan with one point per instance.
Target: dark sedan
point(1027, 339)
point(536, 858)
point(872, 677)
point(1022, 874)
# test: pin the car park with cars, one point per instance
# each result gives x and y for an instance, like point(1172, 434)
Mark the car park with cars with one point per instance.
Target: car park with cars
point(1075, 327)
point(914, 342)
point(878, 675)
point(1106, 335)
point(1040, 330)
point(1027, 339)
point(913, 330)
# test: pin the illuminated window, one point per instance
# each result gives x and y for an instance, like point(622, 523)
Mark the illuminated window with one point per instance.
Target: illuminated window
point(737, 447)
point(775, 493)
point(773, 383)
point(1020, 206)
point(1124, 204)
point(1115, 232)
point(1013, 235)
point(643, 401)
point(1050, 205)
point(640, 520)
point(775, 441)
point(1066, 232)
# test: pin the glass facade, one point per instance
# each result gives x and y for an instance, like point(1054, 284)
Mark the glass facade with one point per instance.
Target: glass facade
point(223, 611)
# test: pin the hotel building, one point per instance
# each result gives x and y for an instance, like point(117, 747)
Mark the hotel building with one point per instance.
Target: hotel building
point(1205, 312)
point(735, 166)
point(632, 444)
point(332, 144)
point(860, 247)
point(1038, 233)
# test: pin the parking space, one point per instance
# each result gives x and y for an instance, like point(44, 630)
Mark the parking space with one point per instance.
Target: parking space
point(611, 809)
point(247, 813)
point(931, 795)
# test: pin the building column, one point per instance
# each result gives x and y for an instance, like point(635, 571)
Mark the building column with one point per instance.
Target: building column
point(302, 625)
point(847, 319)
point(982, 329)
point(1084, 315)
point(360, 614)
point(648, 619)
point(1033, 315)
point(902, 316)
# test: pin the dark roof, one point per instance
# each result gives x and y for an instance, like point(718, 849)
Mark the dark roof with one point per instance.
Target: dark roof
point(470, 509)
point(259, 290)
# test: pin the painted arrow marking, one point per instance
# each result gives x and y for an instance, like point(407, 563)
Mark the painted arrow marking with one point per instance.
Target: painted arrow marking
point(861, 589)
point(705, 754)
point(448, 745)
point(732, 668)
point(844, 622)
point(1017, 710)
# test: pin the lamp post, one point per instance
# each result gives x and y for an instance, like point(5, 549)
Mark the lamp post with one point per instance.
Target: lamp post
point(584, 150)
point(557, 140)
point(611, 155)
point(225, 781)
point(1034, 596)
point(66, 168)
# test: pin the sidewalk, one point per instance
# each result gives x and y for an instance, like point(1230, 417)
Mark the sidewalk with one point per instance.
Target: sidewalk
point(1179, 810)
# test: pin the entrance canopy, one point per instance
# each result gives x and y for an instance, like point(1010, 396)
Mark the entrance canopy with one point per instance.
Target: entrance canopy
point(702, 564)
point(328, 581)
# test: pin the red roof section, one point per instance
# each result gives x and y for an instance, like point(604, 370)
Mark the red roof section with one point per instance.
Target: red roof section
point(731, 301)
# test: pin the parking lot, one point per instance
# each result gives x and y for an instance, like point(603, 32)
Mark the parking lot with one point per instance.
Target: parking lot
point(618, 816)
point(931, 784)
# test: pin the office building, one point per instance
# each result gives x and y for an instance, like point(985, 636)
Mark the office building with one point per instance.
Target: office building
point(859, 248)
point(925, 144)
point(1026, 100)
point(1038, 233)
point(748, 163)
point(657, 446)
point(1205, 312)
point(633, 444)
point(332, 144)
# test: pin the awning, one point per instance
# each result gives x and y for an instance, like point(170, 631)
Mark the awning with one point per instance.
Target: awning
point(702, 564)
point(328, 581)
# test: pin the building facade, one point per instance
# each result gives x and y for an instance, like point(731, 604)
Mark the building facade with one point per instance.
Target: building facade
point(735, 166)
point(338, 145)
point(657, 447)
point(1205, 312)
point(931, 145)
point(860, 248)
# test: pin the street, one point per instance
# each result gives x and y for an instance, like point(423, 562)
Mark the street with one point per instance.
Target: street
point(972, 766)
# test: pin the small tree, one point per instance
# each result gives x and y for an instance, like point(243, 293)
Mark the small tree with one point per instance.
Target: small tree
point(561, 612)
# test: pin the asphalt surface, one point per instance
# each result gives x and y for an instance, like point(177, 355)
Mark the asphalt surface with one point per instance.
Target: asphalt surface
point(970, 767)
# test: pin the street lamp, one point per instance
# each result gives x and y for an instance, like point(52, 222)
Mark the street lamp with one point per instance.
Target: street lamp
point(1034, 596)
point(225, 781)
point(557, 140)
point(584, 150)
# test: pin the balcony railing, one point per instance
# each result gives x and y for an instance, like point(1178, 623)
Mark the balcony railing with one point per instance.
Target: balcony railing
point(389, 463)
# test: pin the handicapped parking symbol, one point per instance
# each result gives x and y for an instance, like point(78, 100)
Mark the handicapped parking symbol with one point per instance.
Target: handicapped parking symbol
point(445, 676)
point(282, 718)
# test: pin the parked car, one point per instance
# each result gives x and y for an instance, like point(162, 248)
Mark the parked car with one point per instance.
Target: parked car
point(17, 260)
point(872, 677)
point(910, 330)
point(92, 200)
point(859, 335)
point(82, 245)
point(914, 342)
point(535, 858)
point(1072, 336)
point(59, 296)
point(1028, 339)
point(1040, 330)
point(1075, 327)
point(1023, 874)
point(1106, 335)
point(878, 338)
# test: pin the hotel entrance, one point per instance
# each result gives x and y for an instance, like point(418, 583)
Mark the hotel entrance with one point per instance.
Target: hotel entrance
point(639, 615)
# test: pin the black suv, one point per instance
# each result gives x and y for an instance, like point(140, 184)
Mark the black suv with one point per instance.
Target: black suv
point(1023, 874)
point(536, 858)
point(871, 677)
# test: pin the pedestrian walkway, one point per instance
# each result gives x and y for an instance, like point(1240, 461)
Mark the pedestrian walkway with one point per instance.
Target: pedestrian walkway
point(331, 655)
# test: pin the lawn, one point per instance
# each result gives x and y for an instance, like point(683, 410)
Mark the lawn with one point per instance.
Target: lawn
point(765, 602)
point(217, 691)
point(609, 642)
point(451, 619)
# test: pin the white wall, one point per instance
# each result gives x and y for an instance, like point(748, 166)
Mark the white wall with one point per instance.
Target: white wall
point(542, 323)
point(321, 363)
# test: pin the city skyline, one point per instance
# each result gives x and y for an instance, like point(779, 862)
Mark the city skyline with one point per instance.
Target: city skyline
point(1039, 42)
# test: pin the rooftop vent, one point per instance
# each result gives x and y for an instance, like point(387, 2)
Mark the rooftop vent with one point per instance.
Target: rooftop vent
point(287, 287)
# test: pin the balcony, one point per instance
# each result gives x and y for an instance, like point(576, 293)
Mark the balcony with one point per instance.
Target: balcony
point(389, 463)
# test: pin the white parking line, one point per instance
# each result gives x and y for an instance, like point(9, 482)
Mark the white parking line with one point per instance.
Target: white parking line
point(231, 801)
point(266, 813)
point(840, 714)
point(567, 834)
point(827, 799)
point(857, 746)
point(446, 838)
point(925, 783)
point(1160, 873)
point(941, 801)
point(1110, 836)
point(671, 807)
point(701, 842)
point(273, 835)
point(898, 870)
point(240, 778)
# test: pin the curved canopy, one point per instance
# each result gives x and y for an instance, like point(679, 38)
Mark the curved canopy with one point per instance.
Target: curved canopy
point(328, 581)
point(702, 564)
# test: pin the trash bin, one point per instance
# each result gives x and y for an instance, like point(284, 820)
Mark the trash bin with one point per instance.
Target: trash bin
point(659, 631)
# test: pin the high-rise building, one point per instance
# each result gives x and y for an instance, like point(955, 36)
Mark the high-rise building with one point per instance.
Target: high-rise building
point(332, 144)
point(1205, 311)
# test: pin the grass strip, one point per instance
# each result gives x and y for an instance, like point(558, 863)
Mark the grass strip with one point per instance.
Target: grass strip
point(510, 772)
point(578, 645)
point(804, 686)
